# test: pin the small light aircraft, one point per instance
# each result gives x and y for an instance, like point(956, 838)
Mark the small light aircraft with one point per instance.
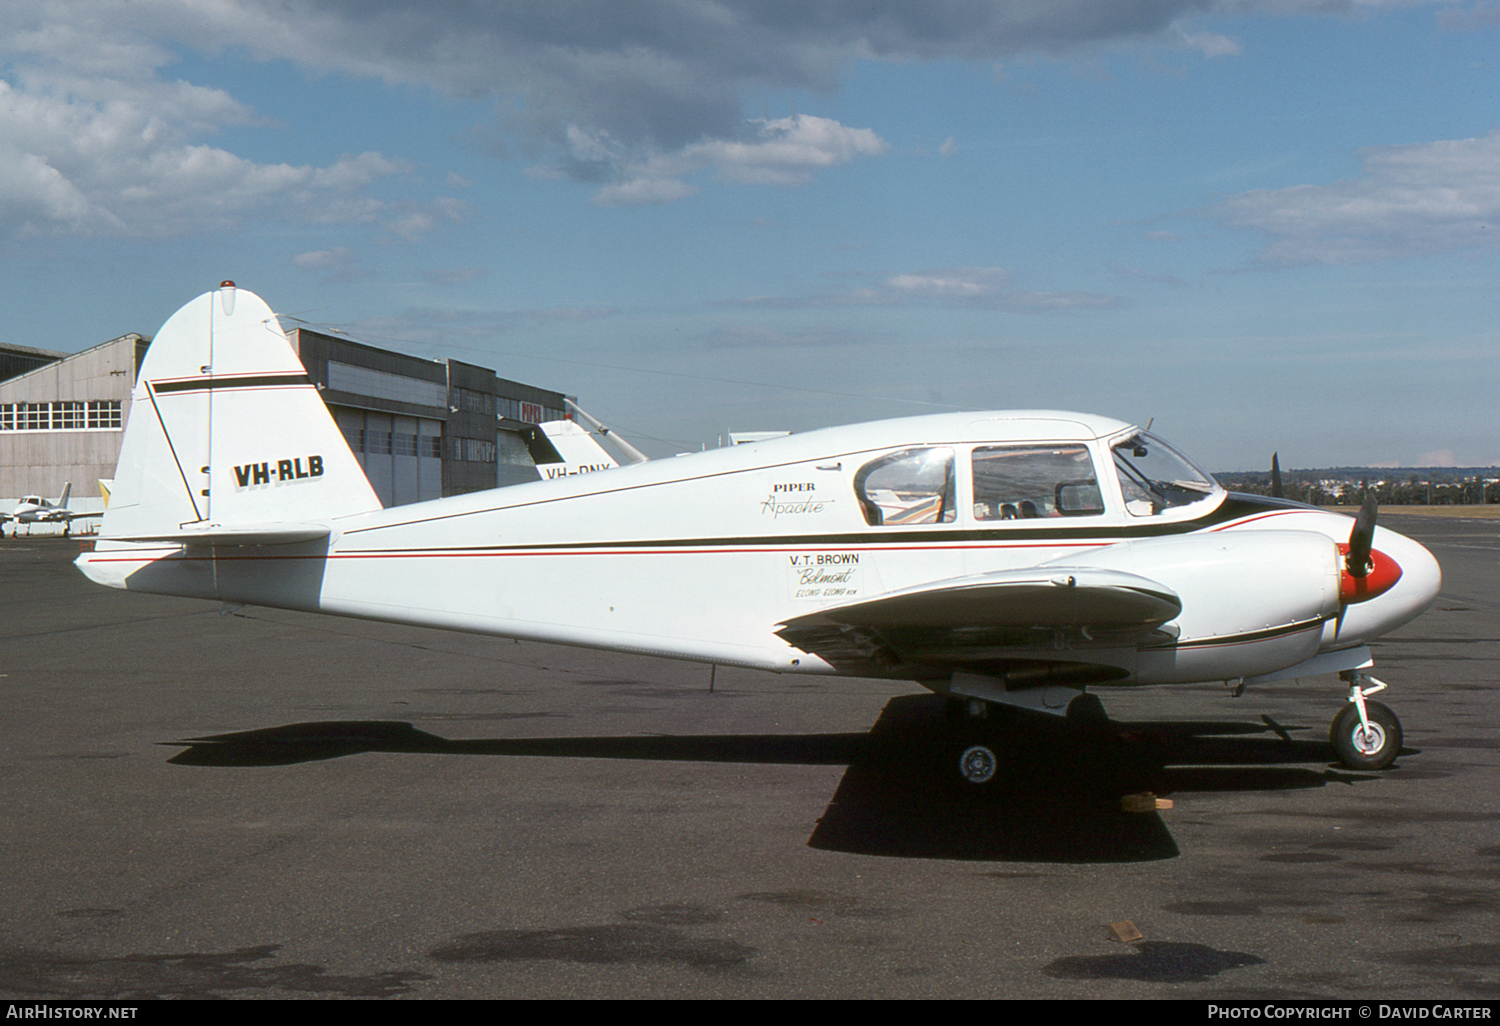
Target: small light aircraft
point(998, 559)
point(561, 448)
point(33, 509)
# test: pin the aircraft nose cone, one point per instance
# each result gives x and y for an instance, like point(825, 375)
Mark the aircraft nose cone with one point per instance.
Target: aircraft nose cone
point(1381, 574)
point(1421, 578)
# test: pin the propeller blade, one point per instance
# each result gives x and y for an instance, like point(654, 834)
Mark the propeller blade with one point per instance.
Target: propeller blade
point(1362, 538)
point(1276, 492)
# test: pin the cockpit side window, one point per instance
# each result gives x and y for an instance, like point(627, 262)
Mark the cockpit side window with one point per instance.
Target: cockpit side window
point(913, 486)
point(1023, 482)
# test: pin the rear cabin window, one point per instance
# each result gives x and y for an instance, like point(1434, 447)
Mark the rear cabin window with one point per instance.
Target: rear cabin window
point(1035, 481)
point(913, 486)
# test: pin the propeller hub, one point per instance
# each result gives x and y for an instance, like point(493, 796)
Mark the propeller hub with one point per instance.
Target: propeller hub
point(1381, 572)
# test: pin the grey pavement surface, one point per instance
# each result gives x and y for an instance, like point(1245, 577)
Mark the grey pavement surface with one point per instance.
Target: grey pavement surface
point(272, 804)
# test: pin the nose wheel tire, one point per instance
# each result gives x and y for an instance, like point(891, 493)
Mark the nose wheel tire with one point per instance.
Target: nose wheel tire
point(1362, 748)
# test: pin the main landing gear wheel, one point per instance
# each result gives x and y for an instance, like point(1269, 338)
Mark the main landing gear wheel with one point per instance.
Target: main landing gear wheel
point(975, 752)
point(978, 765)
point(1361, 748)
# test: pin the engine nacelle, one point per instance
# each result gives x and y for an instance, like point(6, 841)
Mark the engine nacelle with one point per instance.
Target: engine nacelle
point(1252, 601)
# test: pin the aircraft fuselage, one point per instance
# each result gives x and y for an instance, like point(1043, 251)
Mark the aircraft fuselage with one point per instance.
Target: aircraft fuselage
point(703, 556)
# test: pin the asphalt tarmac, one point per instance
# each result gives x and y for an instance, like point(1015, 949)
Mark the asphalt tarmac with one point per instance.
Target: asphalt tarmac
point(271, 804)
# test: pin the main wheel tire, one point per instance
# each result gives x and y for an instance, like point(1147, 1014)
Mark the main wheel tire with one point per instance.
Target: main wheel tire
point(1361, 749)
point(978, 765)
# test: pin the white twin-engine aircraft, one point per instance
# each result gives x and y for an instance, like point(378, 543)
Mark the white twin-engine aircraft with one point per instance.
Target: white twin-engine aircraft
point(33, 509)
point(1007, 558)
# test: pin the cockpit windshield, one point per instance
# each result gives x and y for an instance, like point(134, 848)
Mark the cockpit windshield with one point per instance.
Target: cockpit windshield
point(1155, 477)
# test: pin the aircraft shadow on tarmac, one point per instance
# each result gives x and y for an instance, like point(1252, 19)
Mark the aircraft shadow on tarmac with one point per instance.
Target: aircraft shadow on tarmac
point(1058, 798)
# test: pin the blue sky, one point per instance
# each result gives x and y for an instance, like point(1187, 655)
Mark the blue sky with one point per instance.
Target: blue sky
point(1267, 224)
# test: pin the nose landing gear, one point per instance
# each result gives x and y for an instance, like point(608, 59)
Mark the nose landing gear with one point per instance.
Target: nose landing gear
point(1366, 735)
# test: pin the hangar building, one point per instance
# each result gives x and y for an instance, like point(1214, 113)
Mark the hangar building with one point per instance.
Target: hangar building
point(421, 428)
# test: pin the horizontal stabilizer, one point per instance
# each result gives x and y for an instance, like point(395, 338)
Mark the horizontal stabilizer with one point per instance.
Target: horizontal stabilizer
point(238, 534)
point(1054, 597)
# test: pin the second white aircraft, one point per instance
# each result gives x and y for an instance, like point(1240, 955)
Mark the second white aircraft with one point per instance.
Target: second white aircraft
point(34, 509)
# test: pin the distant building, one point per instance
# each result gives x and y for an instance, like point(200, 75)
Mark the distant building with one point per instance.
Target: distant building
point(421, 428)
point(16, 360)
point(61, 421)
point(424, 428)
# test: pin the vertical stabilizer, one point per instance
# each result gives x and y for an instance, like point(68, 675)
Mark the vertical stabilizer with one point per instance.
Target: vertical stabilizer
point(226, 430)
point(573, 451)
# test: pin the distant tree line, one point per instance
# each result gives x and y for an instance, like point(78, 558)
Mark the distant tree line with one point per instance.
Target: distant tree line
point(1403, 486)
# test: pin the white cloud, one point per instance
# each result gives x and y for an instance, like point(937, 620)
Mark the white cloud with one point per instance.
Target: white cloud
point(1210, 44)
point(962, 283)
point(786, 150)
point(93, 141)
point(1436, 197)
point(1457, 20)
point(980, 287)
point(32, 189)
point(986, 287)
point(340, 264)
point(633, 98)
point(783, 151)
point(413, 220)
point(641, 191)
point(124, 166)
